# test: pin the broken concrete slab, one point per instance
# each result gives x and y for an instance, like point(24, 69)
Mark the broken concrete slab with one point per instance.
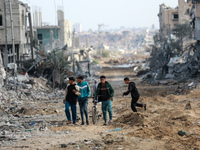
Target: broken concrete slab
point(169, 76)
point(23, 78)
point(188, 106)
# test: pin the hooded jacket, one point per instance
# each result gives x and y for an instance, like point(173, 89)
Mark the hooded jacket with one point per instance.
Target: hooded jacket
point(85, 90)
point(133, 90)
point(109, 89)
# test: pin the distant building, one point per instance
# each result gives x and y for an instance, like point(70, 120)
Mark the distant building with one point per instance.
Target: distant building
point(37, 16)
point(148, 38)
point(77, 27)
point(51, 37)
point(103, 46)
point(21, 33)
point(68, 33)
point(48, 36)
point(173, 16)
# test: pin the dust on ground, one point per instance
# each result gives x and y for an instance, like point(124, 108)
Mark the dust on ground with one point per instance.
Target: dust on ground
point(154, 129)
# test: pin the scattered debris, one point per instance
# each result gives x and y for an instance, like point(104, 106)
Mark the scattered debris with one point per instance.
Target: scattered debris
point(188, 106)
point(117, 129)
point(182, 133)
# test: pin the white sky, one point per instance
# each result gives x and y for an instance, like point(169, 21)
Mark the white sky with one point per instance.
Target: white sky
point(114, 13)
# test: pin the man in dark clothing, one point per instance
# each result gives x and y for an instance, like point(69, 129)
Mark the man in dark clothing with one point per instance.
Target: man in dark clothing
point(134, 94)
point(71, 95)
point(105, 89)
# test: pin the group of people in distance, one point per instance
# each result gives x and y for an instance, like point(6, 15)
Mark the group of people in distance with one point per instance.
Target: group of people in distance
point(80, 93)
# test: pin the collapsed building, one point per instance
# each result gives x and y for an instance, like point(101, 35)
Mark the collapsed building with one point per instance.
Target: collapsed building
point(18, 13)
point(51, 37)
point(178, 58)
point(195, 14)
point(170, 17)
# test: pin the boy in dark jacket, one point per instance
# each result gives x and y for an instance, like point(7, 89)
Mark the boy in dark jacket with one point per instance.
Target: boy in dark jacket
point(134, 94)
point(71, 95)
point(105, 89)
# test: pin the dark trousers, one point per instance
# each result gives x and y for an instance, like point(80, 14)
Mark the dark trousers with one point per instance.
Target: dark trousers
point(134, 103)
point(83, 104)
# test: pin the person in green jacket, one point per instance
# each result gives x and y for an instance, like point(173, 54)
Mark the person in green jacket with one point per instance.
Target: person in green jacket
point(106, 91)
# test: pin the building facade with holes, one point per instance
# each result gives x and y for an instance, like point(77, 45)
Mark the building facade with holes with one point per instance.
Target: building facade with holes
point(52, 37)
point(20, 18)
point(173, 16)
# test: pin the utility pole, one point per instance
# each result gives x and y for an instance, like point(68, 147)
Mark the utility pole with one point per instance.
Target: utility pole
point(31, 34)
point(100, 26)
point(72, 52)
point(13, 43)
point(6, 44)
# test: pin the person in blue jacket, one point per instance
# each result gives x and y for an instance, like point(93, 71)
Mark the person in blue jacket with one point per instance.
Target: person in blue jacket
point(83, 98)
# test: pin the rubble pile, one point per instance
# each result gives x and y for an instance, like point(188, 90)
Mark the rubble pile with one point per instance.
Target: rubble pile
point(22, 109)
point(119, 61)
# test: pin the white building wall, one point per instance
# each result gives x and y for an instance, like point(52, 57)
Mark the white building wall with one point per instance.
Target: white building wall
point(77, 27)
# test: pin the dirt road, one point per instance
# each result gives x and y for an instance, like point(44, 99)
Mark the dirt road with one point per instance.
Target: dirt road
point(154, 129)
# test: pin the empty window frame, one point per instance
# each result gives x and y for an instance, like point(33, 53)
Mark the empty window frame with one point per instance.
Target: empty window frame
point(1, 20)
point(175, 16)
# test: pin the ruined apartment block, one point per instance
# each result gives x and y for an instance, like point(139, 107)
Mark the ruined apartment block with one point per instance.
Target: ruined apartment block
point(173, 16)
point(19, 14)
point(51, 37)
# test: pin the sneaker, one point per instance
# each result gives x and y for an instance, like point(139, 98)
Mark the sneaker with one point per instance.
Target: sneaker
point(87, 122)
point(105, 124)
point(82, 123)
point(145, 107)
point(75, 123)
point(69, 122)
point(110, 122)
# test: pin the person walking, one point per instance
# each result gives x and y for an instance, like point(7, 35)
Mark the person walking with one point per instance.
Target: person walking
point(83, 98)
point(105, 90)
point(71, 95)
point(94, 87)
point(134, 94)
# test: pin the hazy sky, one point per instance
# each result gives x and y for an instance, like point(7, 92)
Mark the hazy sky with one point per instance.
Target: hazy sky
point(114, 13)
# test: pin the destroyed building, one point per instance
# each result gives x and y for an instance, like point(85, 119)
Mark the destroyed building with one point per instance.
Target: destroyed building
point(170, 17)
point(195, 14)
point(51, 37)
point(20, 13)
point(48, 36)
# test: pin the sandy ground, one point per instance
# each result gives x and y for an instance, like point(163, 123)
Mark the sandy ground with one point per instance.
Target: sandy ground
point(154, 129)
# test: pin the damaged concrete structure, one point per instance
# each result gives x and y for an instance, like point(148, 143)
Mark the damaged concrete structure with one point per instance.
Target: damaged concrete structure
point(170, 17)
point(48, 36)
point(51, 37)
point(20, 13)
point(195, 14)
point(65, 34)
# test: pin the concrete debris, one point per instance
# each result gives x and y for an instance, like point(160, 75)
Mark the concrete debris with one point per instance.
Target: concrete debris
point(12, 66)
point(191, 84)
point(182, 133)
point(2, 73)
point(188, 106)
point(169, 76)
point(140, 67)
point(23, 78)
